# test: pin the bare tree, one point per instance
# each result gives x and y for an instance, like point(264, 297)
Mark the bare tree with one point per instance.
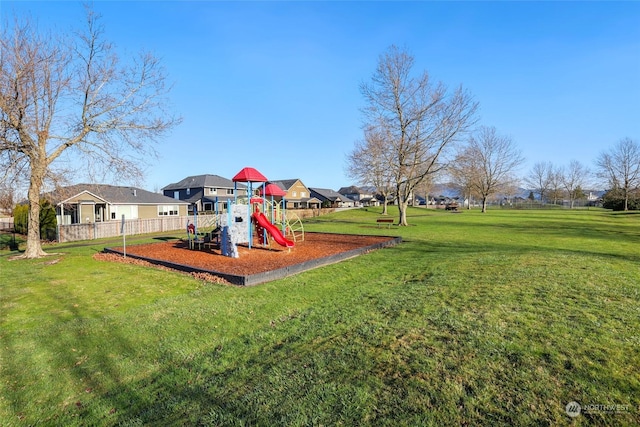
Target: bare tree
point(620, 168)
point(487, 164)
point(464, 173)
point(367, 163)
point(419, 120)
point(423, 188)
point(574, 179)
point(66, 99)
point(7, 199)
point(555, 183)
point(540, 178)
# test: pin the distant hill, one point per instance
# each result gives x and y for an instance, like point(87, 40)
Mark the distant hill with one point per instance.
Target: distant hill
point(452, 190)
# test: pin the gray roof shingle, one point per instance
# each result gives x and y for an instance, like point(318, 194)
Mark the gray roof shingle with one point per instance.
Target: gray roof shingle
point(328, 194)
point(112, 194)
point(285, 184)
point(203, 181)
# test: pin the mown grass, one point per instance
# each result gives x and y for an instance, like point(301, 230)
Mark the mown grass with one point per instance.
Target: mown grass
point(494, 319)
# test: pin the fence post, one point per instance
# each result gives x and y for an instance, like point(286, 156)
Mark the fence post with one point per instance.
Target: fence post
point(124, 238)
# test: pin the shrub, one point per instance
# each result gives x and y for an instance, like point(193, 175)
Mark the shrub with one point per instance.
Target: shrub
point(48, 220)
point(614, 199)
point(21, 218)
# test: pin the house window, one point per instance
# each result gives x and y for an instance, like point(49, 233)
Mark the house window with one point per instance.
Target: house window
point(212, 191)
point(167, 210)
point(303, 194)
point(129, 211)
point(176, 195)
point(229, 190)
point(188, 191)
point(294, 194)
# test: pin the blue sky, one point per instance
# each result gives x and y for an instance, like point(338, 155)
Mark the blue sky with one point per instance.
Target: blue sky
point(275, 85)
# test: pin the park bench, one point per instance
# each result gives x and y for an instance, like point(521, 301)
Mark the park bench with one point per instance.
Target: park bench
point(387, 221)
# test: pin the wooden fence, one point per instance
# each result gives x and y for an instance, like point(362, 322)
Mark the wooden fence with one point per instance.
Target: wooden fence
point(98, 230)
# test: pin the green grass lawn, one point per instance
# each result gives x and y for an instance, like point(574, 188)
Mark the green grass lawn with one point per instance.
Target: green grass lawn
point(495, 319)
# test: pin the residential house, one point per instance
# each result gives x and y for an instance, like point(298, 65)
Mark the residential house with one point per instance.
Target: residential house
point(362, 196)
point(92, 203)
point(206, 192)
point(298, 195)
point(441, 202)
point(331, 198)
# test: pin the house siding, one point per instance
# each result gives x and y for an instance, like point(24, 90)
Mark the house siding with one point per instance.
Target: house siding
point(87, 212)
point(148, 211)
point(295, 194)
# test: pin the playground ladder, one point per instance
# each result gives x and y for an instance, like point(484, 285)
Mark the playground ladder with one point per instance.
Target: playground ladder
point(206, 221)
point(295, 227)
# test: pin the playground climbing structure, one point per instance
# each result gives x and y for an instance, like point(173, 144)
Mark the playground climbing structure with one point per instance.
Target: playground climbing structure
point(294, 227)
point(266, 212)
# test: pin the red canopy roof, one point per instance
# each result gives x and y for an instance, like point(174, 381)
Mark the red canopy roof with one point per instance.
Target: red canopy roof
point(272, 190)
point(249, 175)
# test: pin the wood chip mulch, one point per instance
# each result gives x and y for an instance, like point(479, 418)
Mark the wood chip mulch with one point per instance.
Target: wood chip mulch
point(251, 261)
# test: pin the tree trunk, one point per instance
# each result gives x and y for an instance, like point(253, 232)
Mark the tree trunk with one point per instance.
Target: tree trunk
point(402, 208)
point(34, 244)
point(484, 205)
point(384, 205)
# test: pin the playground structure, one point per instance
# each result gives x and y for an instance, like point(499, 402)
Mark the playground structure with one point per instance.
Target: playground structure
point(203, 231)
point(236, 226)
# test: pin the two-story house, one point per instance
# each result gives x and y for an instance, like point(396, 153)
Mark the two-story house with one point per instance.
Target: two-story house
point(298, 195)
point(207, 193)
point(362, 196)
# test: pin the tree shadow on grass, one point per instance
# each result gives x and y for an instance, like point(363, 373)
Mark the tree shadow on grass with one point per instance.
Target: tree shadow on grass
point(283, 373)
point(567, 236)
point(61, 352)
point(422, 252)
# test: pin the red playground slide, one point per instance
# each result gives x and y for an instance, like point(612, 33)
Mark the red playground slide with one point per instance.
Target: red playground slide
point(275, 232)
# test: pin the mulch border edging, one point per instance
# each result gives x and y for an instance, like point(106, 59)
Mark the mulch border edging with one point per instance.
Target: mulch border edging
point(268, 276)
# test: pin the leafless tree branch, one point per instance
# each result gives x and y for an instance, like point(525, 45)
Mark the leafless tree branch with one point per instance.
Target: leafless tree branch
point(419, 120)
point(72, 94)
point(487, 164)
point(619, 168)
